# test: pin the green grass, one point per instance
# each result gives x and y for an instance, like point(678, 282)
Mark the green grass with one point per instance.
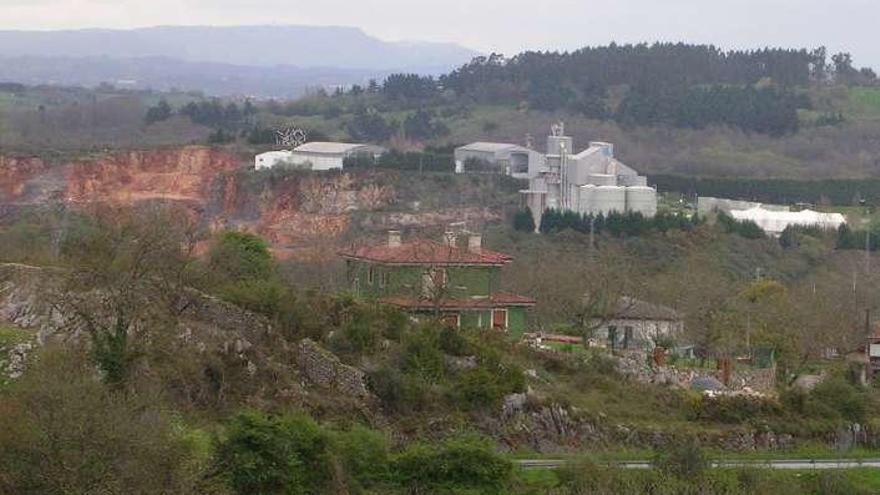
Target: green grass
point(566, 347)
point(10, 335)
point(865, 102)
point(861, 480)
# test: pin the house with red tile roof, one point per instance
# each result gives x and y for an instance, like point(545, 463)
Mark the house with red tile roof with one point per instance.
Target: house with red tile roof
point(455, 280)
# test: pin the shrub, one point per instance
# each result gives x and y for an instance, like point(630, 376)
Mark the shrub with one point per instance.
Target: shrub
point(239, 255)
point(456, 464)
point(422, 355)
point(399, 392)
point(683, 459)
point(364, 455)
point(273, 454)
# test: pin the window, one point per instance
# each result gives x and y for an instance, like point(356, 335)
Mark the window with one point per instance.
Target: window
point(612, 337)
point(370, 276)
point(433, 283)
point(499, 319)
point(384, 279)
point(627, 337)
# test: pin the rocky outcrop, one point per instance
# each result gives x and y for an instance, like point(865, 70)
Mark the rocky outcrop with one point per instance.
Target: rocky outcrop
point(320, 367)
point(13, 358)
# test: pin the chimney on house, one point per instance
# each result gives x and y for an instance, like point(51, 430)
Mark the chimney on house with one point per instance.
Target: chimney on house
point(393, 238)
point(449, 238)
point(475, 243)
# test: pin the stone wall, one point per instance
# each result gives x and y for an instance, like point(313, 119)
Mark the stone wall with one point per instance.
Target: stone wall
point(634, 365)
point(325, 370)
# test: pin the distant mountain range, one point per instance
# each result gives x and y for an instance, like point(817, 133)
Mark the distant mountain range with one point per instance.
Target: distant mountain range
point(253, 60)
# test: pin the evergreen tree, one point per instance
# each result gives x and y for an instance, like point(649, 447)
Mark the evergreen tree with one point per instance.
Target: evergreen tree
point(523, 221)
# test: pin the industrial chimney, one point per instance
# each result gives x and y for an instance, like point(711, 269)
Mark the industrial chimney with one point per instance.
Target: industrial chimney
point(475, 243)
point(393, 238)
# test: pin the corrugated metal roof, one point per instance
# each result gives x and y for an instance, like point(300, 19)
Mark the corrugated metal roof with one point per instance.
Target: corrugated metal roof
point(490, 147)
point(333, 148)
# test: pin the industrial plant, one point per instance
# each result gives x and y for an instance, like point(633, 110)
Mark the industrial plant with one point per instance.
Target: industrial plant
point(316, 155)
point(591, 182)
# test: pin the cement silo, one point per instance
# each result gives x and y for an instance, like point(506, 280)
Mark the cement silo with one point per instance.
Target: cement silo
point(602, 179)
point(608, 199)
point(586, 199)
point(632, 180)
point(641, 199)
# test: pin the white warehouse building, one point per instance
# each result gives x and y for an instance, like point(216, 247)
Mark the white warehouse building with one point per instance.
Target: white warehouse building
point(316, 155)
point(590, 182)
point(507, 158)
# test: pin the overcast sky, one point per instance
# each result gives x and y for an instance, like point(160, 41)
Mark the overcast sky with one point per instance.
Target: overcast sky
point(508, 26)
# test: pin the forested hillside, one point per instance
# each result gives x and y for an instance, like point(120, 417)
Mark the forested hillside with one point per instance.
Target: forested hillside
point(669, 109)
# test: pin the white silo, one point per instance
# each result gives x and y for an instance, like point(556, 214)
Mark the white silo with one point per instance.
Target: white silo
point(602, 179)
point(632, 180)
point(641, 199)
point(609, 198)
point(586, 199)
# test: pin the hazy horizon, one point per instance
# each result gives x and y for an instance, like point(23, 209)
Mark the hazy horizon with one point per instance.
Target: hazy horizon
point(508, 27)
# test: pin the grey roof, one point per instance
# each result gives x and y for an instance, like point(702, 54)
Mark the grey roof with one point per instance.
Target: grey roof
point(336, 148)
point(490, 147)
point(629, 308)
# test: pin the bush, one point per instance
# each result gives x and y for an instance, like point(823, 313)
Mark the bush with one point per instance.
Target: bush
point(683, 459)
point(239, 256)
point(364, 455)
point(273, 454)
point(399, 392)
point(62, 431)
point(422, 355)
point(456, 464)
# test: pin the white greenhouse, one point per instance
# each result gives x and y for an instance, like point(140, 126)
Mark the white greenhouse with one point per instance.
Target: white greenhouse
point(774, 222)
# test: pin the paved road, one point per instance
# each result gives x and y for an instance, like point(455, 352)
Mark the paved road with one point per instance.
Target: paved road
point(772, 464)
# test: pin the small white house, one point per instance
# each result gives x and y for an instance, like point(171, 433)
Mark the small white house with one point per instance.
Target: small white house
point(636, 324)
point(317, 155)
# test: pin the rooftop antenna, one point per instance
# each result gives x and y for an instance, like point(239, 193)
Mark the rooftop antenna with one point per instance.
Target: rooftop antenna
point(557, 129)
point(290, 137)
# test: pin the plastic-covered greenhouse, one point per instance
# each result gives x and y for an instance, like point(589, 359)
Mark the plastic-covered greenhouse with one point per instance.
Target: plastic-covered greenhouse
point(774, 222)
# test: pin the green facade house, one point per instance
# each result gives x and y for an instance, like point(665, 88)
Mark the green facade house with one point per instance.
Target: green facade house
point(455, 283)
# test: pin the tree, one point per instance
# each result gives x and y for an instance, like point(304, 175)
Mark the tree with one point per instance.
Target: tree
point(369, 125)
point(524, 221)
point(128, 274)
point(162, 111)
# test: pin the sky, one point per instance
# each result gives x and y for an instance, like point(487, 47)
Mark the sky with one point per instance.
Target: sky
point(506, 26)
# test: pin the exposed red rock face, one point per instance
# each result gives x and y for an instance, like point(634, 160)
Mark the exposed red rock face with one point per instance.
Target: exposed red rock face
point(302, 215)
point(183, 174)
point(15, 173)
